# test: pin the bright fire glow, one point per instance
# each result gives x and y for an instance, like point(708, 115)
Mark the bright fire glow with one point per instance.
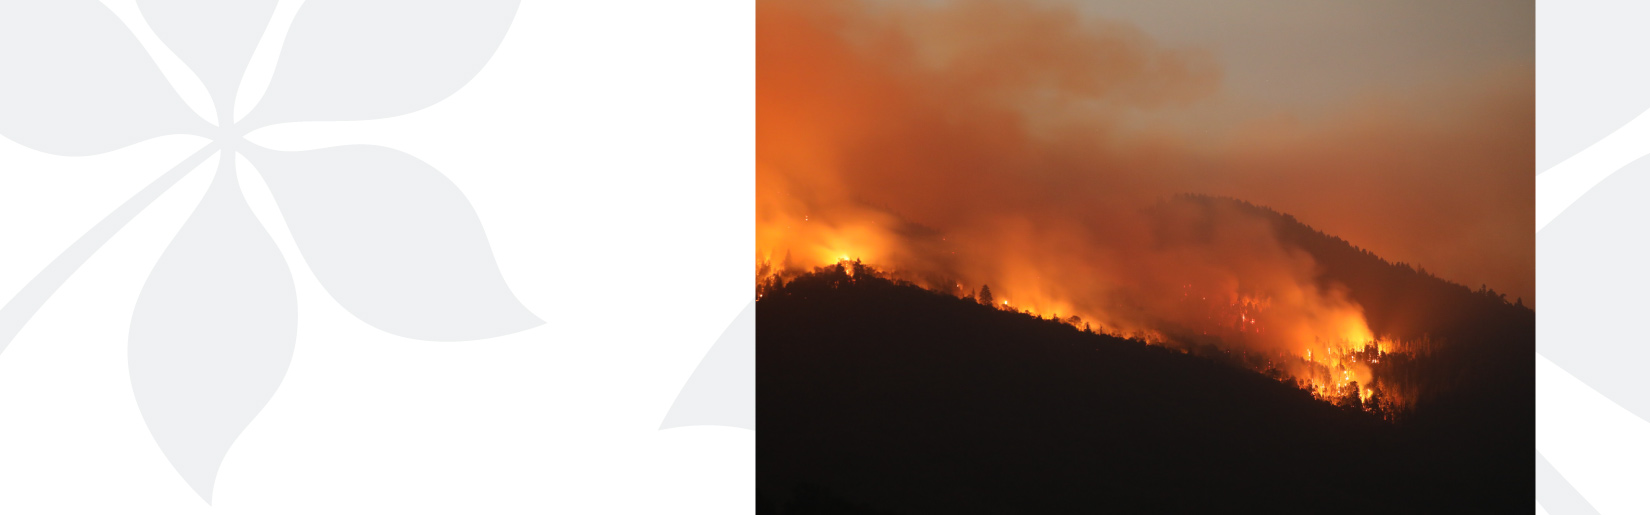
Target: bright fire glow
point(1319, 342)
point(955, 162)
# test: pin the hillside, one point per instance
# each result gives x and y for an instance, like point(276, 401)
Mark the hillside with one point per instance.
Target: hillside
point(1480, 369)
point(875, 396)
point(1398, 298)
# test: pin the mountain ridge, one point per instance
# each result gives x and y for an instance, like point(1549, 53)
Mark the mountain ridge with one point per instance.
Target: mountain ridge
point(875, 394)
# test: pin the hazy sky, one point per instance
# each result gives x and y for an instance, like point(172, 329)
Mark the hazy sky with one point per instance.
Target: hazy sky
point(1311, 55)
point(1312, 59)
point(1405, 127)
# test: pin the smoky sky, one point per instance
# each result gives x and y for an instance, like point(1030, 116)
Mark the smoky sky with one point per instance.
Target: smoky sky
point(1029, 129)
point(1308, 56)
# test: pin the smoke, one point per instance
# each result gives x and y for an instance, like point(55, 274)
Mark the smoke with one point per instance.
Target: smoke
point(1020, 145)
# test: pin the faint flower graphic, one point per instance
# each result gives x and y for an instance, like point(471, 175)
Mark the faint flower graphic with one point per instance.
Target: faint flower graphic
point(722, 390)
point(389, 237)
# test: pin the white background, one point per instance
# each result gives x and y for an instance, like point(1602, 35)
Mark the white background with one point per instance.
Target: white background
point(608, 148)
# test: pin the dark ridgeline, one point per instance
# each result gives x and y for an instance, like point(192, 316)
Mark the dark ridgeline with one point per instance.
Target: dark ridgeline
point(875, 396)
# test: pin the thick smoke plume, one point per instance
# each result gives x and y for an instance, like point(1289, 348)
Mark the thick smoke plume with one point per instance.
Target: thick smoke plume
point(1016, 145)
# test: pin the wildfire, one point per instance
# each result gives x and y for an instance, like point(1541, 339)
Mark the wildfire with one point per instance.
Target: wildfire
point(966, 168)
point(1325, 348)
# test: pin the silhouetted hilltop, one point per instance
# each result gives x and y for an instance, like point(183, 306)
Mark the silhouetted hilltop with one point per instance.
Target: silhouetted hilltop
point(1398, 299)
point(876, 396)
point(1480, 343)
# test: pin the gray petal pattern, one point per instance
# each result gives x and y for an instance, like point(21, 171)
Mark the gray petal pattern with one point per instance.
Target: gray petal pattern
point(214, 37)
point(212, 333)
point(389, 237)
point(1577, 100)
point(722, 391)
point(367, 59)
point(1577, 254)
point(394, 241)
point(77, 82)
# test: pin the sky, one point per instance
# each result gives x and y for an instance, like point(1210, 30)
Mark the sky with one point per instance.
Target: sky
point(1309, 56)
point(1317, 60)
point(1030, 133)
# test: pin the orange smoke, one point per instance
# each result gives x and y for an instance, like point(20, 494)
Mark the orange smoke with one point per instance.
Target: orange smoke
point(1014, 144)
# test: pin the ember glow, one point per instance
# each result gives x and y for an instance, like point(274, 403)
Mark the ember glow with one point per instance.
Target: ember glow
point(1033, 149)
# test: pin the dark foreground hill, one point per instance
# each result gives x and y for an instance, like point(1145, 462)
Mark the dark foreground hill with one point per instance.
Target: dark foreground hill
point(880, 397)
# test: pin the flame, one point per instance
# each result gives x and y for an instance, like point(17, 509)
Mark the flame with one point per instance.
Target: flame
point(873, 120)
point(1330, 351)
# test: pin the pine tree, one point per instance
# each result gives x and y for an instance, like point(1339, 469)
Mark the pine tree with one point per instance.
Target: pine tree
point(985, 295)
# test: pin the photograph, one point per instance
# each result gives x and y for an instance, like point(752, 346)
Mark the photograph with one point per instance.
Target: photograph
point(1062, 256)
point(1006, 256)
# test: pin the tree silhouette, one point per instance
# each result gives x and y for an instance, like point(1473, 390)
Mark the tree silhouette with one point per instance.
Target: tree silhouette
point(866, 381)
point(1377, 402)
point(1351, 399)
point(985, 295)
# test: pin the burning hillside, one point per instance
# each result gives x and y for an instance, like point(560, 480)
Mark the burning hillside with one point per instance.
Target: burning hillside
point(1037, 157)
point(1319, 342)
point(871, 390)
point(964, 143)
